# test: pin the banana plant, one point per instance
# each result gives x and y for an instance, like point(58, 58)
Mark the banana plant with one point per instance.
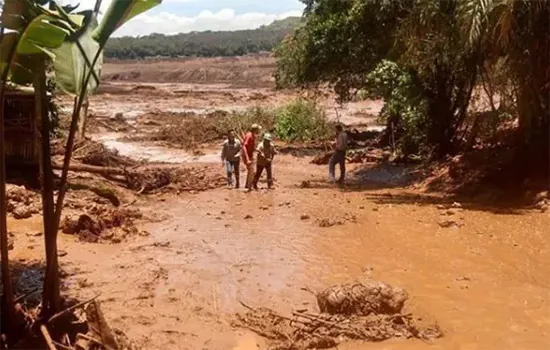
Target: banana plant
point(73, 42)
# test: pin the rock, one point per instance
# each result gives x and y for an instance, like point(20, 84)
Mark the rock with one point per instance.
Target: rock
point(34, 234)
point(61, 253)
point(304, 217)
point(541, 196)
point(374, 209)
point(218, 218)
point(361, 207)
point(305, 184)
point(440, 206)
point(22, 212)
point(451, 223)
point(264, 207)
point(247, 217)
point(456, 205)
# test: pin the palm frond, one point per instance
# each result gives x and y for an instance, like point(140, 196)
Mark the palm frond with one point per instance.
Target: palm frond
point(474, 16)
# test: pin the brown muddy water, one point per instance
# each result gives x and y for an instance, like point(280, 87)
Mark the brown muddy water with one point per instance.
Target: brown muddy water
point(486, 283)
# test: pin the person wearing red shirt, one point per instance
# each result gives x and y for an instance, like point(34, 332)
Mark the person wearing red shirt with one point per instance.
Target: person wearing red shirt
point(249, 146)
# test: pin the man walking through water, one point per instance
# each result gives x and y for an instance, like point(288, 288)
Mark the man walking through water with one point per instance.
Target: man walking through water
point(231, 157)
point(339, 156)
point(249, 146)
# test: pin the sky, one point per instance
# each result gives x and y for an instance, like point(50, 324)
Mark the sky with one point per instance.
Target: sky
point(182, 16)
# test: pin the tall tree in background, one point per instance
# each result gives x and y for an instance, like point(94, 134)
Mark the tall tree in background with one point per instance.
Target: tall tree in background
point(442, 46)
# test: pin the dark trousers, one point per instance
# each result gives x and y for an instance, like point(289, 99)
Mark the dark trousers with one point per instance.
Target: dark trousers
point(232, 167)
point(259, 171)
point(339, 157)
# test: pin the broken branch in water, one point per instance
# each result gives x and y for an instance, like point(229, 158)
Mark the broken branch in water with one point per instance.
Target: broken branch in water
point(47, 337)
point(69, 309)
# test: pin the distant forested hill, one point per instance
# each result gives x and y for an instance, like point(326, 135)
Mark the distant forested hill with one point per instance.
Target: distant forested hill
point(202, 44)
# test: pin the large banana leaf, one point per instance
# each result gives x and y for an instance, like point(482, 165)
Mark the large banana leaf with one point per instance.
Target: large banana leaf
point(19, 72)
point(72, 63)
point(120, 12)
point(41, 35)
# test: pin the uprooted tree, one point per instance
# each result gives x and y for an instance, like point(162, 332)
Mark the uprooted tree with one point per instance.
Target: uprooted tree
point(426, 58)
point(39, 36)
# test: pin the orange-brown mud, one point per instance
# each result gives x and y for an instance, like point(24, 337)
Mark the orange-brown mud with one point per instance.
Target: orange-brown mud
point(480, 271)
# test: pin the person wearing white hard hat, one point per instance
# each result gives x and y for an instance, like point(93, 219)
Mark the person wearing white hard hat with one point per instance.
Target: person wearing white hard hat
point(266, 153)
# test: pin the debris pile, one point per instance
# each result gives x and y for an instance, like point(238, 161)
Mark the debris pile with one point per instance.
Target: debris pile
point(81, 326)
point(173, 179)
point(22, 203)
point(102, 224)
point(370, 311)
point(363, 155)
point(96, 153)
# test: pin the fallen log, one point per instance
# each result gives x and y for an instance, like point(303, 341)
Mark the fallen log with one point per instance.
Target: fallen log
point(105, 171)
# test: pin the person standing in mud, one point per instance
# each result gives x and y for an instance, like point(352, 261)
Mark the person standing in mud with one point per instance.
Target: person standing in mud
point(339, 155)
point(266, 152)
point(247, 154)
point(231, 157)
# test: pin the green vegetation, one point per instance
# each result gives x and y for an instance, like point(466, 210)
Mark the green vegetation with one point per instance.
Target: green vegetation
point(203, 44)
point(33, 38)
point(302, 120)
point(427, 58)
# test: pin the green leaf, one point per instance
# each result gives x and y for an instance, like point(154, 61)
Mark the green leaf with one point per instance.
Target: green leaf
point(41, 35)
point(120, 12)
point(71, 63)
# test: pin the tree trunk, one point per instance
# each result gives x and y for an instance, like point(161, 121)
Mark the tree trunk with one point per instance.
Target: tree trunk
point(8, 306)
point(50, 297)
point(106, 171)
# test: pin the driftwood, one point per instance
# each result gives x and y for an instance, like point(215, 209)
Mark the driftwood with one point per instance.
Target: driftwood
point(90, 169)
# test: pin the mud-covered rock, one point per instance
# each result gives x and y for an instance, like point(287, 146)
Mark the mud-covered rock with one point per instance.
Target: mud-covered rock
point(22, 212)
point(362, 299)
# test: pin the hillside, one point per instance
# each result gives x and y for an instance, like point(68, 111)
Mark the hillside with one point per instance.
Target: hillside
point(202, 44)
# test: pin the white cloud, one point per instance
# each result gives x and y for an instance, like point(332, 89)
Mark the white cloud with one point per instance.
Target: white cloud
point(227, 19)
point(170, 23)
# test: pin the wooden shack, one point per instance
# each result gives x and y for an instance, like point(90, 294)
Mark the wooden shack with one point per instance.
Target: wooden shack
point(21, 129)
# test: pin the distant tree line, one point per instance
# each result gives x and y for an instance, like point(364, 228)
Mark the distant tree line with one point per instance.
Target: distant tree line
point(202, 44)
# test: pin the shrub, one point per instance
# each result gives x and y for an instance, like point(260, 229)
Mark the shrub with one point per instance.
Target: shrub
point(404, 110)
point(302, 120)
point(242, 120)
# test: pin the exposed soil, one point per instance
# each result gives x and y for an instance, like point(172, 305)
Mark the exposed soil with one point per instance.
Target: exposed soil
point(474, 270)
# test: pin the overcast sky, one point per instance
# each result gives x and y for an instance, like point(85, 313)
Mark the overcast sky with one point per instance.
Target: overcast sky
point(177, 16)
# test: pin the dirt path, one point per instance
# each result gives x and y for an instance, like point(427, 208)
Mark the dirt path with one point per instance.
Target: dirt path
point(485, 283)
